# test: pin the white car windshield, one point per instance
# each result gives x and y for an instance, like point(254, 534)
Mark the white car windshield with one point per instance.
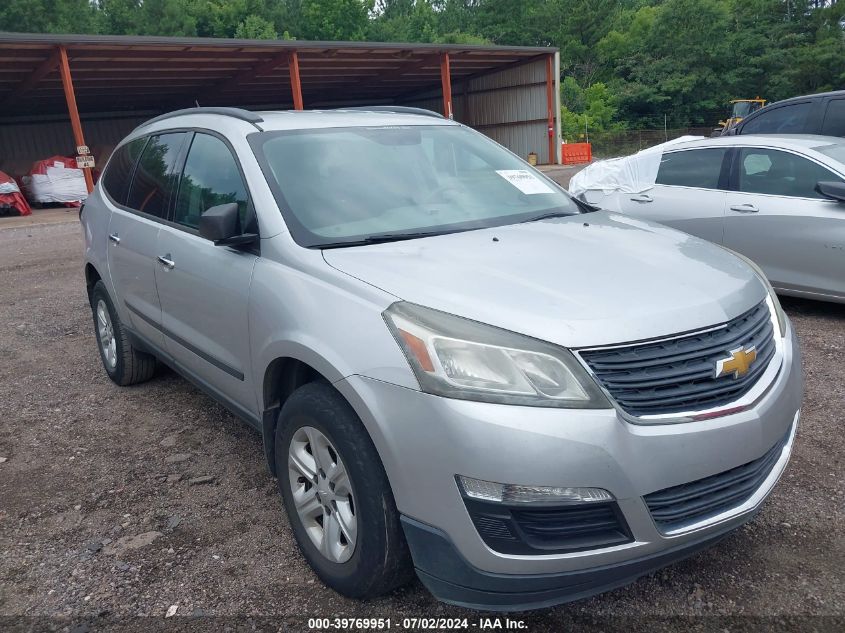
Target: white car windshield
point(345, 186)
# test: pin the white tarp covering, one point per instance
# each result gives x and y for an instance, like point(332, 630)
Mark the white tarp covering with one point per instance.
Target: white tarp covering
point(629, 174)
point(9, 187)
point(59, 185)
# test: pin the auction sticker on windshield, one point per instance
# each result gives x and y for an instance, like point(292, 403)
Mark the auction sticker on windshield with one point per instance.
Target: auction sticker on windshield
point(525, 181)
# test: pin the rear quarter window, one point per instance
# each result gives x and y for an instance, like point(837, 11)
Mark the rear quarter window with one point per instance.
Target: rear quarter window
point(153, 180)
point(119, 170)
point(834, 118)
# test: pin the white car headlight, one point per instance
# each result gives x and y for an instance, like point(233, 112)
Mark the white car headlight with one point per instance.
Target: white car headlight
point(774, 302)
point(460, 358)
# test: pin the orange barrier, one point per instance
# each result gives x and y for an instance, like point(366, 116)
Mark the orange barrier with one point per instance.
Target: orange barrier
point(573, 153)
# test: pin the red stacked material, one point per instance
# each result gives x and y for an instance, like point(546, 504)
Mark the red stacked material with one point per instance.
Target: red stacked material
point(56, 180)
point(11, 198)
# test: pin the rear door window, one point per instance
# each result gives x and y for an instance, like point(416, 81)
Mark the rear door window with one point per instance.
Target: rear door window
point(778, 173)
point(153, 182)
point(119, 171)
point(834, 118)
point(787, 119)
point(700, 168)
point(211, 177)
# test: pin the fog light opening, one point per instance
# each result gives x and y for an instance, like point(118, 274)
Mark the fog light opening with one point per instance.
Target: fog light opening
point(513, 493)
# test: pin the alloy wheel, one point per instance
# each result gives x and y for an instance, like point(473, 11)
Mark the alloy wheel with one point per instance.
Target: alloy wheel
point(322, 494)
point(105, 332)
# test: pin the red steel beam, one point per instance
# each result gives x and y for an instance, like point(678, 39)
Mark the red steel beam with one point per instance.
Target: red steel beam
point(446, 82)
point(75, 123)
point(550, 106)
point(295, 83)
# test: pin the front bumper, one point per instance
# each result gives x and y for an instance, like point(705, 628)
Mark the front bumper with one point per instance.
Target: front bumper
point(451, 579)
point(424, 441)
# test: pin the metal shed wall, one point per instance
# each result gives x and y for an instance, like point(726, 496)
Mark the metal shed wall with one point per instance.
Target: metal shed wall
point(21, 144)
point(509, 106)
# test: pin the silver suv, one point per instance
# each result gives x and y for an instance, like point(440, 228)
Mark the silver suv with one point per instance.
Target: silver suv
point(456, 369)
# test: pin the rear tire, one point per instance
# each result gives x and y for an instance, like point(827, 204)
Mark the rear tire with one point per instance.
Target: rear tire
point(362, 502)
point(124, 364)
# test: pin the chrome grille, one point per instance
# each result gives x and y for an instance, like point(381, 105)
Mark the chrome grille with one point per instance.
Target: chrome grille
point(679, 374)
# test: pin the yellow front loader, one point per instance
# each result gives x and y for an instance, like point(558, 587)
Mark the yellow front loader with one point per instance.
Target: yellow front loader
point(740, 108)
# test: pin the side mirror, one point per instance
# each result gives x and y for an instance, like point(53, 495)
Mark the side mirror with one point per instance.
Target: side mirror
point(220, 224)
point(832, 190)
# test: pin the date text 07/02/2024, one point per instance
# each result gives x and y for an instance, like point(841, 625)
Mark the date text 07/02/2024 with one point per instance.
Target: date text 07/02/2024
point(420, 624)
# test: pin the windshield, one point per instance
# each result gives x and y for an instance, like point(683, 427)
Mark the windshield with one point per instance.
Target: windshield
point(343, 186)
point(742, 109)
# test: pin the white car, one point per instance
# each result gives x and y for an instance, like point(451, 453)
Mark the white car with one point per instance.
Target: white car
point(779, 200)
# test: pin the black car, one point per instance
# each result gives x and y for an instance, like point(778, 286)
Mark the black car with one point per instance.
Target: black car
point(822, 113)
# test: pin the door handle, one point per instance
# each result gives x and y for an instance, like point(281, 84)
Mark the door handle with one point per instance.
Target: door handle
point(166, 261)
point(745, 208)
point(114, 238)
point(642, 198)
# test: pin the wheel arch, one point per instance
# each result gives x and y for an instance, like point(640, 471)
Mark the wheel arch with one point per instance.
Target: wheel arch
point(282, 376)
point(92, 276)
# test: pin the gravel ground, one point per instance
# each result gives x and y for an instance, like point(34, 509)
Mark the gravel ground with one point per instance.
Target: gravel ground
point(126, 502)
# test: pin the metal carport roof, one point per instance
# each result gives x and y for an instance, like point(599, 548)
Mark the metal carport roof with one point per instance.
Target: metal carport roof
point(47, 77)
point(113, 73)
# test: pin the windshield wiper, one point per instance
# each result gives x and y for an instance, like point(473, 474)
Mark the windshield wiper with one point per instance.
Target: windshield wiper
point(586, 207)
point(546, 216)
point(383, 237)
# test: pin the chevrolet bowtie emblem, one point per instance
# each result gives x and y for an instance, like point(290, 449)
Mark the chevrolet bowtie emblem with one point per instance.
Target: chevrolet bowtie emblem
point(738, 363)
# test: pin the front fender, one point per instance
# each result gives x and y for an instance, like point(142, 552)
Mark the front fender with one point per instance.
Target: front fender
point(308, 311)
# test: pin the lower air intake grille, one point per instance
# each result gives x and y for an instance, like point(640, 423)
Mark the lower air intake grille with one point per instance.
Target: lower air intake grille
point(675, 507)
point(545, 530)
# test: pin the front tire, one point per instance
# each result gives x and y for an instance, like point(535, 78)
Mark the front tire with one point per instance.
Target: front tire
point(125, 364)
point(337, 495)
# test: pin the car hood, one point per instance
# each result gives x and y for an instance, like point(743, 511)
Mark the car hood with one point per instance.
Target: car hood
point(579, 281)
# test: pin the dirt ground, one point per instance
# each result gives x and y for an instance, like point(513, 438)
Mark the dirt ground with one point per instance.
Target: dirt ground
point(100, 522)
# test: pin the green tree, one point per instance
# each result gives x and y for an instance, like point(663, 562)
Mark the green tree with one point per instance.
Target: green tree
point(672, 60)
point(593, 108)
point(404, 21)
point(48, 16)
point(166, 17)
point(334, 19)
point(510, 21)
point(119, 17)
point(254, 27)
point(577, 27)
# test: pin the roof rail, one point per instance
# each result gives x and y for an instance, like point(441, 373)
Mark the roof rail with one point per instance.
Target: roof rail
point(237, 113)
point(394, 109)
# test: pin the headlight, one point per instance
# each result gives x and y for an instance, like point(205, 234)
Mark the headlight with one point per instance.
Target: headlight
point(459, 358)
point(773, 298)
